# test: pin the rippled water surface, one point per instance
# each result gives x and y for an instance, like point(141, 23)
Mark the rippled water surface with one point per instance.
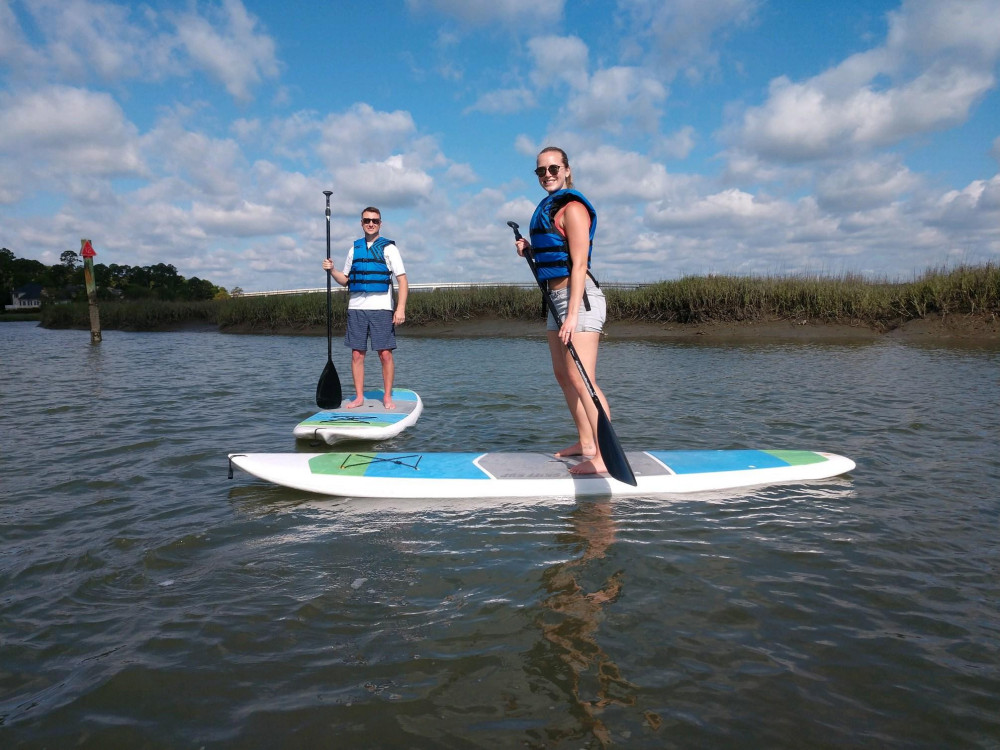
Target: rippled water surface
point(150, 601)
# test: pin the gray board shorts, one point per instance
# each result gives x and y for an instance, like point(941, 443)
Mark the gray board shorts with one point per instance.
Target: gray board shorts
point(586, 321)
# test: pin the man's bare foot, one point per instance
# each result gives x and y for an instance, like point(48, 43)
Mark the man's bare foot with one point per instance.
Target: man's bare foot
point(358, 401)
point(592, 466)
point(576, 450)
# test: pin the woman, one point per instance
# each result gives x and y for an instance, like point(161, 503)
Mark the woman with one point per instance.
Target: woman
point(562, 235)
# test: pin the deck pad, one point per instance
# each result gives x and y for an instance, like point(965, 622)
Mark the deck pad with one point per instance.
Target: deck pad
point(370, 421)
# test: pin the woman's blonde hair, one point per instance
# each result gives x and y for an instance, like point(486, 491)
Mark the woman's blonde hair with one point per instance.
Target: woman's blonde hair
point(565, 161)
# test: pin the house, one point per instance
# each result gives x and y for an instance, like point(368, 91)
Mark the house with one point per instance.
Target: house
point(27, 297)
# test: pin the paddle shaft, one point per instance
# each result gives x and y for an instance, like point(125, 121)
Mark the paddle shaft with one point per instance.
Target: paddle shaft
point(328, 390)
point(329, 287)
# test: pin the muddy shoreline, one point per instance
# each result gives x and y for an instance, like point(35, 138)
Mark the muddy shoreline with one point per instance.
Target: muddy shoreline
point(977, 330)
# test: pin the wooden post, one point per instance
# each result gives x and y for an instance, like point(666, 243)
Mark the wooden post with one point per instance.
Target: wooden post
point(87, 251)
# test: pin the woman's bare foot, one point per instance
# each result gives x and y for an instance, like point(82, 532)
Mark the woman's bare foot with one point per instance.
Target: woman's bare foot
point(577, 450)
point(358, 401)
point(594, 465)
point(388, 403)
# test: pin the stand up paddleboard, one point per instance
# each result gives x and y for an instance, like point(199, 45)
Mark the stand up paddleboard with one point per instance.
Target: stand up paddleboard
point(527, 475)
point(370, 421)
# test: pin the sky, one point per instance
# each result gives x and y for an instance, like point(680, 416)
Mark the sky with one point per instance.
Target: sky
point(733, 137)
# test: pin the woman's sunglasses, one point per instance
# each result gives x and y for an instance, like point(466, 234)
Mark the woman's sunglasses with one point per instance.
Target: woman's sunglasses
point(553, 170)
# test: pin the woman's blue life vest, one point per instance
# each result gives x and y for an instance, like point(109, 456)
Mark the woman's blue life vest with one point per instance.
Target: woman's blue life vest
point(551, 249)
point(369, 272)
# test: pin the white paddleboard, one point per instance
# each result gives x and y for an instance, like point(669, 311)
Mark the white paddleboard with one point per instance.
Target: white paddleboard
point(370, 421)
point(527, 475)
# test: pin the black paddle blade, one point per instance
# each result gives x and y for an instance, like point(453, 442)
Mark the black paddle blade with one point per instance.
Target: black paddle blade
point(328, 391)
point(612, 452)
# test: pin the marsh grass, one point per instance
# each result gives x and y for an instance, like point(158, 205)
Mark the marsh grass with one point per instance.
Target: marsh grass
point(287, 312)
point(853, 300)
point(849, 300)
point(140, 315)
point(470, 303)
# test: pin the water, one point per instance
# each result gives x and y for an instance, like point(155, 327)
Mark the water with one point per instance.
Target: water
point(149, 601)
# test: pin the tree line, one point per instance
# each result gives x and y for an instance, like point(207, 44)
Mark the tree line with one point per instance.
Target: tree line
point(64, 281)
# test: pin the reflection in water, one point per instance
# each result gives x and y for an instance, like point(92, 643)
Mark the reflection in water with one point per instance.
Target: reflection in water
point(570, 619)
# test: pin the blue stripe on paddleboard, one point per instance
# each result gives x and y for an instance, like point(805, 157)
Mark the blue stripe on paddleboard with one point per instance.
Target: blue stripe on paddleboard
point(398, 394)
point(429, 466)
point(700, 462)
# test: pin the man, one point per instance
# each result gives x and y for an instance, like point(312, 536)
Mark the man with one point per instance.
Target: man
point(371, 263)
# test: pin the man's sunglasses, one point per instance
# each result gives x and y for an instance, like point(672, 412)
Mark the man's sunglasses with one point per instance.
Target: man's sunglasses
point(366, 220)
point(553, 170)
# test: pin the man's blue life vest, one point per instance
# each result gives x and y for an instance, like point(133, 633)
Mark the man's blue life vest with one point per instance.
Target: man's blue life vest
point(369, 272)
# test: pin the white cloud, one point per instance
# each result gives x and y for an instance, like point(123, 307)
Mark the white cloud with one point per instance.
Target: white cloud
point(849, 109)
point(245, 220)
point(607, 100)
point(615, 96)
point(525, 146)
point(729, 208)
point(808, 121)
point(209, 167)
point(507, 12)
point(118, 42)
point(929, 29)
point(611, 175)
point(865, 184)
point(245, 129)
point(234, 52)
point(362, 133)
point(69, 128)
point(290, 191)
point(975, 206)
point(503, 101)
point(680, 34)
point(83, 37)
point(558, 59)
point(462, 174)
point(389, 183)
point(677, 145)
point(15, 51)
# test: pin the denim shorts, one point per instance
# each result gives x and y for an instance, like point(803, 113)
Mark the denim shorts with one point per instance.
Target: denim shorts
point(377, 324)
point(592, 320)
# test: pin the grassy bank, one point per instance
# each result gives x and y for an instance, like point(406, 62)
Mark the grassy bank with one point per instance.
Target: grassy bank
point(19, 317)
point(141, 315)
point(850, 300)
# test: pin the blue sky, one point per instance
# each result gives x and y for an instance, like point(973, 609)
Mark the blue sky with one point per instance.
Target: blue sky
point(713, 136)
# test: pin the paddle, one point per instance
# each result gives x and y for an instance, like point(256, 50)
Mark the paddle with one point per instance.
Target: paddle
point(328, 392)
point(611, 449)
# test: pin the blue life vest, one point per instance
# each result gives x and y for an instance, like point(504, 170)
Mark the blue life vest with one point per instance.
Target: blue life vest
point(369, 272)
point(551, 249)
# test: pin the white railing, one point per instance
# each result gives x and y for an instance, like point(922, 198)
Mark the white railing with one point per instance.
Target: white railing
point(447, 285)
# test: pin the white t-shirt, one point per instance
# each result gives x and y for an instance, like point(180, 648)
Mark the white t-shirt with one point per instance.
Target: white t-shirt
point(376, 300)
